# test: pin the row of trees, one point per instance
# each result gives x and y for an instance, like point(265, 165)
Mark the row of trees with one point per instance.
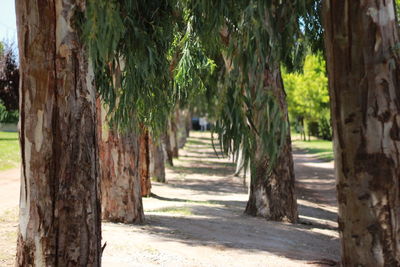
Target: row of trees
point(137, 54)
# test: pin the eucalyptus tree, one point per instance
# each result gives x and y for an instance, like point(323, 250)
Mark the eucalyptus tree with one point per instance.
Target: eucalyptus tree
point(362, 48)
point(144, 37)
point(255, 37)
point(121, 192)
point(59, 219)
point(121, 197)
point(129, 45)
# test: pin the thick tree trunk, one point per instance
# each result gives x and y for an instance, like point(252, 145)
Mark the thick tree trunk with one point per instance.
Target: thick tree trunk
point(157, 166)
point(60, 191)
point(273, 196)
point(121, 197)
point(364, 79)
point(144, 163)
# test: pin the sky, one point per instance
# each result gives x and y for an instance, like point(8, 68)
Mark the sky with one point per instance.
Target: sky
point(8, 27)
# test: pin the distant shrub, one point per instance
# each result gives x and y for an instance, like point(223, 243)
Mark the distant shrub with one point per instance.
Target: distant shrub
point(8, 116)
point(9, 78)
point(308, 98)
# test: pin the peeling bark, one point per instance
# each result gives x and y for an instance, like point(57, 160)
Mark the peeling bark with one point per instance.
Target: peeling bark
point(273, 196)
point(144, 163)
point(361, 42)
point(121, 197)
point(60, 192)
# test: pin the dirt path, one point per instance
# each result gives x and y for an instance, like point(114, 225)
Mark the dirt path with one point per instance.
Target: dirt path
point(197, 219)
point(9, 189)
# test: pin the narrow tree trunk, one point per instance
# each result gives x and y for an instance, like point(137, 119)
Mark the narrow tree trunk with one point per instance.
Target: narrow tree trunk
point(121, 198)
point(168, 149)
point(144, 164)
point(273, 196)
point(157, 166)
point(60, 191)
point(239, 162)
point(364, 79)
point(183, 132)
point(188, 123)
point(174, 135)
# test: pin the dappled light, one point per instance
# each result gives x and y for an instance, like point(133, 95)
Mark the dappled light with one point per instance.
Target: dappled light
point(201, 209)
point(199, 133)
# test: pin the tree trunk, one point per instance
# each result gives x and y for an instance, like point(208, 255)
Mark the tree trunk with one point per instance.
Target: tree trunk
point(60, 191)
point(173, 134)
point(183, 132)
point(239, 162)
point(157, 166)
point(364, 79)
point(167, 147)
point(188, 123)
point(273, 196)
point(121, 199)
point(144, 163)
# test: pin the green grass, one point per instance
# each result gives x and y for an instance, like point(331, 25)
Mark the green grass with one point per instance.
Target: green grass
point(193, 141)
point(322, 149)
point(9, 215)
point(174, 210)
point(9, 150)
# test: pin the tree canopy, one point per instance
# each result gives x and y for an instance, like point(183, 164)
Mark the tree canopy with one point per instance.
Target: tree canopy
point(167, 52)
point(307, 95)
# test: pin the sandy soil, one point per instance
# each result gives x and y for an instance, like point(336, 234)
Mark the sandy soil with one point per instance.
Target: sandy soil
point(196, 218)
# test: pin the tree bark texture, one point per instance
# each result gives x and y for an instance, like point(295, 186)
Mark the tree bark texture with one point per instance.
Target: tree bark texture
point(273, 195)
point(144, 163)
point(157, 165)
point(59, 220)
point(121, 197)
point(362, 47)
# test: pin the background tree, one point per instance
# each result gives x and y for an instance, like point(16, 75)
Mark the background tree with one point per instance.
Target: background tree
point(308, 98)
point(252, 110)
point(185, 35)
point(120, 176)
point(119, 166)
point(362, 41)
point(157, 162)
point(9, 79)
point(59, 214)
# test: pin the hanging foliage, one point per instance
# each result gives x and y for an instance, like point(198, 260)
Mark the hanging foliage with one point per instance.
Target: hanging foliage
point(134, 37)
point(252, 35)
point(169, 51)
